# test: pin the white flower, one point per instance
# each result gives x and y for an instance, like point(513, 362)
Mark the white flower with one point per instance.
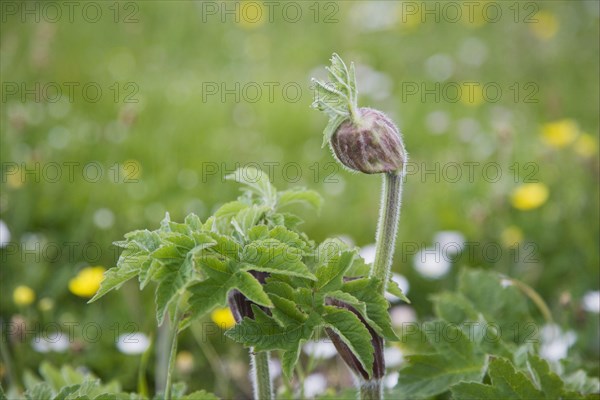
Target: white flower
point(133, 343)
point(368, 253)
point(56, 341)
point(4, 234)
point(439, 66)
point(314, 385)
point(402, 284)
point(402, 314)
point(591, 301)
point(391, 379)
point(450, 242)
point(104, 218)
point(323, 349)
point(431, 263)
point(473, 51)
point(393, 357)
point(555, 343)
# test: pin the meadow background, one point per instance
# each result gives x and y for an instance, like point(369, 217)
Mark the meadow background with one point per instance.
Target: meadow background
point(499, 113)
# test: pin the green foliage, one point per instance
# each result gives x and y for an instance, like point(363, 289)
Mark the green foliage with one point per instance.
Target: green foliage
point(196, 265)
point(337, 98)
point(476, 336)
point(68, 383)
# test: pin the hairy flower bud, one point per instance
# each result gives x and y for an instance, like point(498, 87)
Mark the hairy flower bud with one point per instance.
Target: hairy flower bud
point(348, 356)
point(240, 305)
point(371, 145)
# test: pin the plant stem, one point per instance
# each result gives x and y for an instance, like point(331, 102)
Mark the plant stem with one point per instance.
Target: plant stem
point(172, 357)
point(387, 227)
point(535, 297)
point(371, 390)
point(261, 379)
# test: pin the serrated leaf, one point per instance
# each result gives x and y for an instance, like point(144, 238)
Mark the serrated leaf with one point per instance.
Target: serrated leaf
point(252, 289)
point(247, 218)
point(394, 289)
point(455, 359)
point(289, 359)
point(207, 295)
point(256, 181)
point(330, 275)
point(368, 291)
point(286, 311)
point(498, 302)
point(41, 391)
point(288, 237)
point(543, 378)
point(300, 196)
point(272, 256)
point(193, 222)
point(353, 333)
point(172, 279)
point(507, 383)
point(265, 333)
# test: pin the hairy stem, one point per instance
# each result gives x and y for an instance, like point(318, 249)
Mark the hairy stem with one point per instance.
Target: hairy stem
point(387, 227)
point(172, 357)
point(371, 390)
point(261, 379)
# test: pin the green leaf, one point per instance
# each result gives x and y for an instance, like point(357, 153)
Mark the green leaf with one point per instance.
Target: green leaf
point(207, 295)
point(286, 311)
point(265, 333)
point(395, 290)
point(330, 275)
point(247, 218)
point(507, 383)
point(353, 333)
point(300, 196)
point(272, 256)
point(455, 359)
point(257, 182)
point(65, 391)
point(252, 289)
point(289, 359)
point(200, 395)
point(172, 278)
point(41, 391)
point(368, 291)
point(495, 299)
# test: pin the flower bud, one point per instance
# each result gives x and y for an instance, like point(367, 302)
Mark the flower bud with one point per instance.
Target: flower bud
point(370, 145)
point(348, 356)
point(239, 304)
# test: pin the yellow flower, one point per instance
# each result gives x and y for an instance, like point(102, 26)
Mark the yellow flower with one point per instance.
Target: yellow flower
point(471, 93)
point(511, 236)
point(23, 295)
point(586, 145)
point(223, 317)
point(529, 196)
point(250, 14)
point(184, 362)
point(131, 170)
point(559, 134)
point(87, 281)
point(546, 26)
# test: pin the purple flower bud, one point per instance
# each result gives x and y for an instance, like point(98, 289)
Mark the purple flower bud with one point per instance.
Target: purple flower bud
point(370, 145)
point(240, 305)
point(348, 356)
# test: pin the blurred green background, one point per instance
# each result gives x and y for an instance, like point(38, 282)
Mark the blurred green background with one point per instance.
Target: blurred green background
point(114, 113)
